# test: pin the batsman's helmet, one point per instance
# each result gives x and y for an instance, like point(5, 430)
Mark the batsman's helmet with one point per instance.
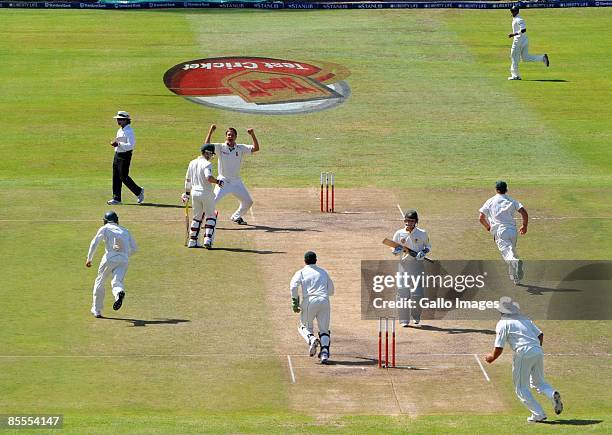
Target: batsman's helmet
point(514, 9)
point(207, 147)
point(411, 214)
point(310, 257)
point(111, 216)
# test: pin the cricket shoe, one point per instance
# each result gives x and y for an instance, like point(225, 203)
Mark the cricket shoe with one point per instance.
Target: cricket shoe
point(404, 324)
point(119, 301)
point(193, 244)
point(416, 322)
point(141, 196)
point(514, 78)
point(557, 403)
point(113, 202)
point(324, 357)
point(536, 418)
point(96, 314)
point(239, 221)
point(208, 245)
point(546, 60)
point(313, 347)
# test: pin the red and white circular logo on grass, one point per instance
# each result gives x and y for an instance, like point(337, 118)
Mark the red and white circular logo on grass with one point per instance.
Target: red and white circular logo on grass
point(260, 84)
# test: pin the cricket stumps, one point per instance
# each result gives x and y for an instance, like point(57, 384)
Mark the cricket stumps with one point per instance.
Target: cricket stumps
point(386, 363)
point(327, 185)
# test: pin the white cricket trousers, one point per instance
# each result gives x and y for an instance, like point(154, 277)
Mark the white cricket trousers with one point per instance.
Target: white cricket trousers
point(203, 203)
point(527, 373)
point(505, 239)
point(315, 307)
point(415, 268)
point(520, 51)
point(237, 188)
point(117, 268)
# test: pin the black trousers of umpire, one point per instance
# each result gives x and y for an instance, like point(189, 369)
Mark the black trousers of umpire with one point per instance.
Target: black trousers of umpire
point(121, 175)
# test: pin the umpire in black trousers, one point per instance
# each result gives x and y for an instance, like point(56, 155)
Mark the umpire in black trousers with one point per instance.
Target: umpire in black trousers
point(124, 145)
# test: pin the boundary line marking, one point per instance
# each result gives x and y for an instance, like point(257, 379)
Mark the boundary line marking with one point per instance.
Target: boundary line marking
point(484, 372)
point(291, 369)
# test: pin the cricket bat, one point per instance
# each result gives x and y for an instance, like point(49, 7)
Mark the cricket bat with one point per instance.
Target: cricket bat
point(393, 244)
point(187, 223)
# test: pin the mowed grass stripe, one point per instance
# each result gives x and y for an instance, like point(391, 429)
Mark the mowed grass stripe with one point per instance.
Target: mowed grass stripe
point(572, 96)
point(417, 91)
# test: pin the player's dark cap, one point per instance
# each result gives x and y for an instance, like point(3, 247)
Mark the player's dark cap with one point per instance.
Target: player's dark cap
point(207, 147)
point(514, 8)
point(411, 214)
point(111, 216)
point(310, 257)
point(501, 186)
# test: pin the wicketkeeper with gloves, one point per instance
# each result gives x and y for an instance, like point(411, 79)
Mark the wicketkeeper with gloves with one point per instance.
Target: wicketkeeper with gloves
point(418, 241)
point(317, 287)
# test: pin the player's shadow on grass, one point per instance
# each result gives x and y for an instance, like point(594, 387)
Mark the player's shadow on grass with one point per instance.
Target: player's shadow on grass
point(152, 204)
point(537, 290)
point(573, 422)
point(140, 322)
point(366, 362)
point(268, 229)
point(454, 330)
point(546, 80)
point(248, 251)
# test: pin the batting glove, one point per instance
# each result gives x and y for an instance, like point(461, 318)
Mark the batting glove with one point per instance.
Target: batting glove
point(185, 197)
point(398, 250)
point(295, 305)
point(421, 254)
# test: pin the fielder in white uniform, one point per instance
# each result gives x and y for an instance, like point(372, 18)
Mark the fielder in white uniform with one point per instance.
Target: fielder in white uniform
point(119, 246)
point(520, 46)
point(229, 156)
point(317, 287)
point(525, 339)
point(416, 239)
point(497, 216)
point(198, 182)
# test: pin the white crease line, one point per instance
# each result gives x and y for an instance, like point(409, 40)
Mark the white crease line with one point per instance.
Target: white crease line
point(269, 355)
point(484, 372)
point(400, 209)
point(252, 215)
point(50, 221)
point(291, 370)
point(276, 213)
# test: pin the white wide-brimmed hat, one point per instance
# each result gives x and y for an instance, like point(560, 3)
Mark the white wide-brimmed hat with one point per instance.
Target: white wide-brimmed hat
point(122, 115)
point(506, 306)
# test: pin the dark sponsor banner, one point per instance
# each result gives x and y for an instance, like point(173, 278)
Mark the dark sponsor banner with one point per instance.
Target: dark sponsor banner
point(298, 5)
point(471, 290)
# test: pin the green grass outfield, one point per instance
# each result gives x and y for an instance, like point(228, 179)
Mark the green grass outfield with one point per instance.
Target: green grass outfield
point(430, 108)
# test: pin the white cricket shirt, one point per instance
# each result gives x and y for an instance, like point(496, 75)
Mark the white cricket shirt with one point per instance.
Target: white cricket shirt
point(125, 138)
point(500, 210)
point(417, 240)
point(229, 160)
point(519, 331)
point(315, 281)
point(198, 171)
point(518, 24)
point(118, 242)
